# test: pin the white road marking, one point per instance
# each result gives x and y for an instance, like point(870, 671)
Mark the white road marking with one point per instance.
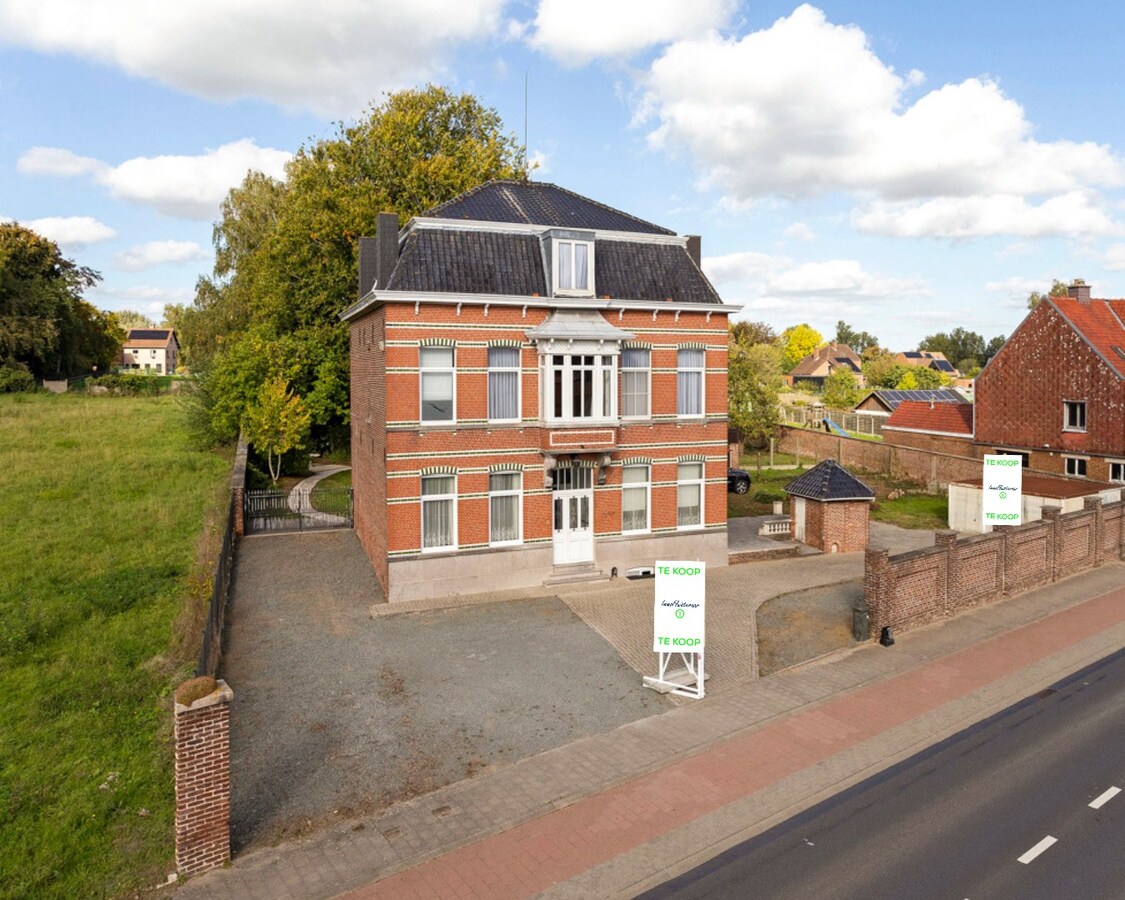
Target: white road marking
point(1037, 849)
point(1101, 801)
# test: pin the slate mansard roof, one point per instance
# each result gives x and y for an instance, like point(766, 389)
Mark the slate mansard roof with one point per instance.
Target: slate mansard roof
point(539, 203)
point(437, 257)
point(829, 481)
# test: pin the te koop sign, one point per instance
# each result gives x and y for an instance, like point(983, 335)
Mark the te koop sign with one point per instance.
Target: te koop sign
point(1003, 490)
point(678, 614)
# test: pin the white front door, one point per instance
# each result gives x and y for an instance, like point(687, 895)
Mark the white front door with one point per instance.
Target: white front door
point(799, 518)
point(573, 515)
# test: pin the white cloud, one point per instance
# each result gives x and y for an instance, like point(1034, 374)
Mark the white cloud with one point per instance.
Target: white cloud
point(146, 298)
point(71, 231)
point(156, 253)
point(799, 231)
point(841, 278)
point(805, 108)
point(538, 163)
point(331, 58)
point(577, 31)
point(1114, 258)
point(190, 187)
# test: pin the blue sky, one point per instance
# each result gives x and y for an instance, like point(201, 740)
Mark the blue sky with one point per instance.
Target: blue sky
point(906, 167)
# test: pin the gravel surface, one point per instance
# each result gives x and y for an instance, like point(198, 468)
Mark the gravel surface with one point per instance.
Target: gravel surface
point(337, 714)
point(803, 625)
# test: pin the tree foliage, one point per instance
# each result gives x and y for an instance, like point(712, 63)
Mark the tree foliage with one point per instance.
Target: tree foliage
point(859, 341)
point(750, 333)
point(128, 319)
point(753, 382)
point(286, 252)
point(46, 327)
point(841, 389)
point(1058, 289)
point(797, 342)
point(276, 422)
point(922, 378)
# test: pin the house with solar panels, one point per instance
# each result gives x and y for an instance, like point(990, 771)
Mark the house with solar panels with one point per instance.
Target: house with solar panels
point(928, 359)
point(538, 395)
point(1055, 393)
point(151, 351)
point(886, 400)
point(821, 363)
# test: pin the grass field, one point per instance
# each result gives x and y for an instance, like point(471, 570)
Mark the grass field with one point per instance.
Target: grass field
point(103, 505)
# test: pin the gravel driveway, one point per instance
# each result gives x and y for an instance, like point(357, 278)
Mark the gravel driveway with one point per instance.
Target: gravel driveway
point(336, 713)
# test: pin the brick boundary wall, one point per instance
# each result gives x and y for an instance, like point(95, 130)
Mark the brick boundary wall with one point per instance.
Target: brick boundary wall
point(202, 751)
point(934, 469)
point(913, 589)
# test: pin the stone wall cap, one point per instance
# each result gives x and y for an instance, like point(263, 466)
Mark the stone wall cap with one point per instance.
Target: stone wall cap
point(221, 694)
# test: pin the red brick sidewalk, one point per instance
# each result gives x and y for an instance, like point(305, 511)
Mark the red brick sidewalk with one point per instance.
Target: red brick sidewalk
point(531, 857)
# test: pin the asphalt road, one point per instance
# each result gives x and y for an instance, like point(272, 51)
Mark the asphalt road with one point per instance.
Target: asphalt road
point(1001, 810)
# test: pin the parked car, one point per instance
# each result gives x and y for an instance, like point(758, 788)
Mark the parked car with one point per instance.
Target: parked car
point(738, 481)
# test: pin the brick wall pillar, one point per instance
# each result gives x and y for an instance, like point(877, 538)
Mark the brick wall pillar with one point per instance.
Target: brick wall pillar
point(1095, 504)
point(238, 503)
point(947, 540)
point(1051, 515)
point(202, 739)
point(876, 587)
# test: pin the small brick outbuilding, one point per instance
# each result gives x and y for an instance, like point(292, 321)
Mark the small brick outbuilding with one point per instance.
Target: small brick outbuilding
point(830, 508)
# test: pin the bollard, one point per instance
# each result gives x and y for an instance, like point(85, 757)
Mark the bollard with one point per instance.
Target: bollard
point(886, 638)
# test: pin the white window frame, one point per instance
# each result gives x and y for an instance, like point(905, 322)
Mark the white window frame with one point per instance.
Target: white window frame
point(622, 371)
point(518, 494)
point(1078, 406)
point(1120, 463)
point(518, 371)
point(1084, 460)
point(451, 370)
point(646, 486)
point(450, 498)
point(567, 367)
point(560, 291)
point(702, 370)
point(702, 482)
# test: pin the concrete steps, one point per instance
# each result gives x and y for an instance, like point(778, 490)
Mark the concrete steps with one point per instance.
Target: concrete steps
point(574, 574)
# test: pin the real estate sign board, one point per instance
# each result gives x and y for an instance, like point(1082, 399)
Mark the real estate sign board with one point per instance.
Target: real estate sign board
point(678, 614)
point(1002, 490)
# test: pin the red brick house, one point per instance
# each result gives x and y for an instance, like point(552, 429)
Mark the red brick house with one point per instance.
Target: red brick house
point(539, 393)
point(936, 426)
point(819, 364)
point(928, 359)
point(1055, 392)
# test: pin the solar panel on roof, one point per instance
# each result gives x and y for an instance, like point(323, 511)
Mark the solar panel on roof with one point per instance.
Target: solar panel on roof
point(912, 354)
point(148, 334)
point(942, 365)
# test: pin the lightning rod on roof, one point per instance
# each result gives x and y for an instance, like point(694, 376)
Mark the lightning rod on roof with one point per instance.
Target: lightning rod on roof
point(526, 161)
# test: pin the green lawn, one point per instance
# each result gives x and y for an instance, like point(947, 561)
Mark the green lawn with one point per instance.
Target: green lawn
point(103, 504)
point(914, 511)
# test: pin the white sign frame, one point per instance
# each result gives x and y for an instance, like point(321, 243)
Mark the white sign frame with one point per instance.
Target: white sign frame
point(1001, 490)
point(679, 627)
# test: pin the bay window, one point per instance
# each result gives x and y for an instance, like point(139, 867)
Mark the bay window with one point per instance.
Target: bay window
point(580, 386)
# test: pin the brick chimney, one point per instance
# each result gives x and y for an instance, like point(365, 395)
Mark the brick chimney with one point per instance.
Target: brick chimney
point(1078, 290)
point(378, 255)
point(695, 248)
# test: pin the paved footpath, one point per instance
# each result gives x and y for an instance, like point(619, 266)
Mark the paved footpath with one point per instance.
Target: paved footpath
point(614, 814)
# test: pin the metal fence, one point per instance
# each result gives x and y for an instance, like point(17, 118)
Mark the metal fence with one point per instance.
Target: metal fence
point(319, 508)
point(849, 420)
point(211, 648)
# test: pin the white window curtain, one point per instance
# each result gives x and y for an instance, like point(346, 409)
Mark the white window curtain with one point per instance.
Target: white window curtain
point(566, 266)
point(689, 382)
point(437, 511)
point(581, 267)
point(689, 495)
point(504, 507)
point(503, 383)
point(635, 383)
point(436, 373)
point(634, 498)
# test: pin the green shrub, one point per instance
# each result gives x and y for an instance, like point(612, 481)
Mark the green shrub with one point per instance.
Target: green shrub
point(130, 384)
point(769, 495)
point(15, 380)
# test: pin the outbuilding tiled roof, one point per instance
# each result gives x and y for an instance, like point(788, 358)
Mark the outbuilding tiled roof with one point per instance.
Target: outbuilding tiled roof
point(891, 398)
point(539, 203)
point(829, 481)
point(939, 418)
point(1100, 322)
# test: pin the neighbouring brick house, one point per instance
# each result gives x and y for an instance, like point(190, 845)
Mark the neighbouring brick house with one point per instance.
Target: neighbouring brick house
point(928, 359)
point(819, 364)
point(830, 508)
point(151, 350)
point(1055, 393)
point(940, 427)
point(539, 393)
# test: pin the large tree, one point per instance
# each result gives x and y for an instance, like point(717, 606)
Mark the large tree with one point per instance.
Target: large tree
point(958, 344)
point(1058, 289)
point(753, 382)
point(128, 319)
point(46, 327)
point(797, 342)
point(859, 341)
point(841, 389)
point(286, 252)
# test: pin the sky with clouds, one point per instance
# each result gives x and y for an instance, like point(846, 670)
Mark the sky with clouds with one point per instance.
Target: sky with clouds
point(906, 167)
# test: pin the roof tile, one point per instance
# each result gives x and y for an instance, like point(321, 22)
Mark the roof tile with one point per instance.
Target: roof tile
point(946, 418)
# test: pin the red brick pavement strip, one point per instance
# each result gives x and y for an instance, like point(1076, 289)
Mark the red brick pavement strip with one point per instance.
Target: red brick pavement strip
point(530, 857)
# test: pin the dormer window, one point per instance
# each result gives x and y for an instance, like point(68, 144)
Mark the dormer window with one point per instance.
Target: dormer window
point(573, 266)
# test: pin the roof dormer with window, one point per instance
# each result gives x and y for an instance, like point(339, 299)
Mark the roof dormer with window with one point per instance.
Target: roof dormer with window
point(569, 260)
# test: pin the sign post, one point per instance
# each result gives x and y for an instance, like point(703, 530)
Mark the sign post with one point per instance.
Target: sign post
point(678, 627)
point(1002, 491)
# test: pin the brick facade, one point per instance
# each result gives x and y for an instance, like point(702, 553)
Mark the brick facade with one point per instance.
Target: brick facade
point(838, 526)
point(913, 589)
point(202, 762)
point(1021, 392)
